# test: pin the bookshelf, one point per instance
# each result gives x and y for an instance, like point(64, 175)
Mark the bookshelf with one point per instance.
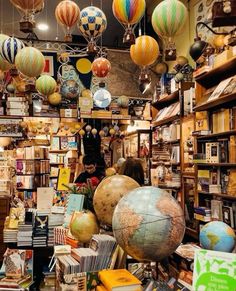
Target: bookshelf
point(215, 112)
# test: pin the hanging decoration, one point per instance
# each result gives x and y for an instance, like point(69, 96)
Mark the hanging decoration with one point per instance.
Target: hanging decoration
point(4, 65)
point(28, 9)
point(46, 85)
point(9, 49)
point(129, 13)
point(101, 67)
point(67, 14)
point(168, 20)
point(144, 53)
point(70, 89)
point(93, 23)
point(102, 98)
point(30, 62)
point(55, 99)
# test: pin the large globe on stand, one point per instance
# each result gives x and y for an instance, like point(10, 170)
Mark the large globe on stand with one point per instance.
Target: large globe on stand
point(217, 236)
point(148, 224)
point(108, 194)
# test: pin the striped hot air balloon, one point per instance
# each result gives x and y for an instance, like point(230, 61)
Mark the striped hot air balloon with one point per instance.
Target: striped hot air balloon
point(4, 65)
point(46, 85)
point(67, 14)
point(92, 23)
point(169, 17)
point(9, 49)
point(145, 51)
point(101, 67)
point(30, 62)
point(129, 13)
point(27, 4)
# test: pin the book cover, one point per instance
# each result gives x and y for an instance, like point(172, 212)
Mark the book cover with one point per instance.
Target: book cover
point(228, 216)
point(214, 271)
point(14, 263)
point(112, 279)
point(55, 143)
point(75, 202)
point(201, 121)
point(63, 179)
point(44, 198)
point(216, 209)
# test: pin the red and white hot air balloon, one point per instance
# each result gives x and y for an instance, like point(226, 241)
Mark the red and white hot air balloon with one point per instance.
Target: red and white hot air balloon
point(67, 14)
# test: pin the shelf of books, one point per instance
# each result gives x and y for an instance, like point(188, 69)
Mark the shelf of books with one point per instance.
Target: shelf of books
point(215, 138)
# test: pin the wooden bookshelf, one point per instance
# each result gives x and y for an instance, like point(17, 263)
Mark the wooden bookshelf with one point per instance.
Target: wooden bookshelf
point(216, 135)
point(192, 232)
point(215, 76)
point(165, 121)
point(218, 195)
point(167, 100)
point(167, 142)
point(216, 164)
point(216, 103)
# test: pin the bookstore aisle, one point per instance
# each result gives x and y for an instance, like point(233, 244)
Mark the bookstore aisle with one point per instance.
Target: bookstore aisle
point(118, 145)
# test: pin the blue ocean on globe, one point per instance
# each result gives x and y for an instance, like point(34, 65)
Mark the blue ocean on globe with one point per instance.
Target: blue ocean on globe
point(218, 236)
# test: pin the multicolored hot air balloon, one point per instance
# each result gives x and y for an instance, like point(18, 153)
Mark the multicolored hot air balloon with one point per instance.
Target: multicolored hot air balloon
point(101, 67)
point(145, 51)
point(67, 14)
point(129, 13)
point(9, 49)
point(30, 62)
point(46, 85)
point(93, 23)
point(169, 18)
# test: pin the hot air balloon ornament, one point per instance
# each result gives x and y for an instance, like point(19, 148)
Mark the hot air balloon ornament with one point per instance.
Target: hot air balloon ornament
point(144, 53)
point(93, 23)
point(129, 13)
point(168, 20)
point(67, 14)
point(28, 9)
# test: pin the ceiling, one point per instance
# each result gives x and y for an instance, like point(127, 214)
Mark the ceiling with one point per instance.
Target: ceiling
point(112, 37)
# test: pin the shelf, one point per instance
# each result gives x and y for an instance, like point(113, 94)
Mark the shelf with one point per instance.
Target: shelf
point(192, 232)
point(216, 164)
point(165, 164)
point(216, 135)
point(32, 159)
point(216, 103)
point(38, 174)
point(215, 76)
point(52, 164)
point(163, 102)
point(167, 142)
point(59, 151)
point(165, 121)
point(218, 195)
point(168, 187)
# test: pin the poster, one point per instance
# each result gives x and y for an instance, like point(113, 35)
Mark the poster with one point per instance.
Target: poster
point(214, 271)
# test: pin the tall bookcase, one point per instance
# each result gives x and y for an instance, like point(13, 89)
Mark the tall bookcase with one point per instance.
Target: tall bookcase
point(215, 151)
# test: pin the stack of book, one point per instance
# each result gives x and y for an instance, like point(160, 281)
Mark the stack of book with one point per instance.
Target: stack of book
point(40, 232)
point(24, 236)
point(10, 235)
point(202, 214)
point(167, 112)
point(17, 106)
point(54, 221)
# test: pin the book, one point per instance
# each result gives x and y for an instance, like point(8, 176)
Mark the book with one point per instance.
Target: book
point(119, 280)
point(45, 198)
point(75, 202)
point(63, 179)
point(216, 209)
point(219, 89)
point(101, 288)
point(232, 149)
point(228, 216)
point(201, 121)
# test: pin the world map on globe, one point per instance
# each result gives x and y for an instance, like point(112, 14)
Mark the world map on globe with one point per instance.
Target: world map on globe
point(217, 236)
point(148, 223)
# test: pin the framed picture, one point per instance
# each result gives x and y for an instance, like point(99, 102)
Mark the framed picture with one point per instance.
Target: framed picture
point(51, 65)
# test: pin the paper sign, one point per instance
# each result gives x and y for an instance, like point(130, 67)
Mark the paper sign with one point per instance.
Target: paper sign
point(214, 271)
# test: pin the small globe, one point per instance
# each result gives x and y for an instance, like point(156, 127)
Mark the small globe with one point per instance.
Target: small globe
point(108, 194)
point(70, 89)
point(123, 101)
point(148, 223)
point(54, 99)
point(217, 236)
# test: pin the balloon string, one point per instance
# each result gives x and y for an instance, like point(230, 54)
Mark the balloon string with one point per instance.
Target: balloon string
point(101, 34)
point(13, 16)
point(1, 16)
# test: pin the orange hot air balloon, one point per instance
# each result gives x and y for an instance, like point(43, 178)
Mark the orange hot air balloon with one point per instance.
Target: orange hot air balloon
point(28, 8)
point(67, 14)
point(145, 51)
point(101, 67)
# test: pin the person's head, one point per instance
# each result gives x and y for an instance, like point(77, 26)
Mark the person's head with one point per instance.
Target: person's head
point(89, 164)
point(134, 169)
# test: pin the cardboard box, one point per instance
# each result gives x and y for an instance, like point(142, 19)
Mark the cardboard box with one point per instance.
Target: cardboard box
point(223, 57)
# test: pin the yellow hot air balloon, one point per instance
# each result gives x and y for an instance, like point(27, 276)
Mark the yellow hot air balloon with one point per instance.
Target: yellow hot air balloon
point(145, 51)
point(30, 61)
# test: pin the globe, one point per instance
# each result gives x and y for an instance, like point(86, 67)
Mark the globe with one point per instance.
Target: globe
point(148, 223)
point(70, 89)
point(217, 236)
point(108, 194)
